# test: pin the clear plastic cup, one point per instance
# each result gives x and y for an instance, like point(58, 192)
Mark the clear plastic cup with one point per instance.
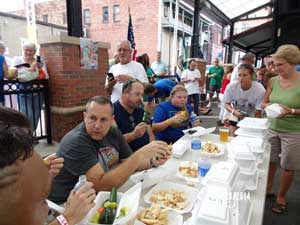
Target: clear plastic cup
point(224, 134)
point(203, 167)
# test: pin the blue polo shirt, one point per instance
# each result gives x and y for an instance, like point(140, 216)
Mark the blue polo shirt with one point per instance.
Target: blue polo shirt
point(127, 125)
point(164, 111)
point(163, 87)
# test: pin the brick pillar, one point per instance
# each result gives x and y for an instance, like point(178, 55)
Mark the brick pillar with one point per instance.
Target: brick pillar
point(71, 86)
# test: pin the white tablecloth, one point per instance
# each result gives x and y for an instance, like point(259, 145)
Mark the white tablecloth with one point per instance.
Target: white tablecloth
point(169, 170)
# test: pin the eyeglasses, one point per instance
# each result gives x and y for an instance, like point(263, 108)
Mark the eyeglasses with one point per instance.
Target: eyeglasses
point(279, 64)
point(131, 119)
point(123, 49)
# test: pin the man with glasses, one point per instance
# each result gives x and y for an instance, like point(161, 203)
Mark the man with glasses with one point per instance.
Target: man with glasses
point(99, 150)
point(129, 115)
point(125, 70)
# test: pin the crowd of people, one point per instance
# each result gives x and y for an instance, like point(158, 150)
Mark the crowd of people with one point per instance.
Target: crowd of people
point(116, 137)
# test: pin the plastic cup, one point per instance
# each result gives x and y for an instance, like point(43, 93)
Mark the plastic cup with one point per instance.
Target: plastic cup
point(224, 134)
point(196, 149)
point(203, 167)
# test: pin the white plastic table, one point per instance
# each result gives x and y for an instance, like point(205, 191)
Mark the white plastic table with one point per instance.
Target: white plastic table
point(257, 197)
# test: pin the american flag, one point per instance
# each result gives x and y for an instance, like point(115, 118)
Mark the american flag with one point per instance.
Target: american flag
point(130, 36)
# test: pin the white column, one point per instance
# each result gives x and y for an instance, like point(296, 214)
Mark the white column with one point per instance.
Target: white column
point(159, 26)
point(174, 48)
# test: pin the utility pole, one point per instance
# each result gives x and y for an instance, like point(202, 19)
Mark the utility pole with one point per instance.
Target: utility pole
point(195, 37)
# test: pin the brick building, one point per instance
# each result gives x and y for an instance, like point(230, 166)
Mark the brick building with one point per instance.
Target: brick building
point(153, 24)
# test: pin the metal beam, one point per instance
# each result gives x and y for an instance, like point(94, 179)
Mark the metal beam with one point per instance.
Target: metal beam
point(260, 42)
point(230, 44)
point(195, 37)
point(74, 18)
point(257, 18)
point(235, 19)
point(215, 12)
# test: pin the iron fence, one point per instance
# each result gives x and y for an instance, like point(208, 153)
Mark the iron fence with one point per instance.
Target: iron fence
point(31, 98)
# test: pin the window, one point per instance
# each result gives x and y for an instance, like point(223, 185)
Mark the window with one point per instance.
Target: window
point(116, 13)
point(45, 18)
point(86, 16)
point(105, 14)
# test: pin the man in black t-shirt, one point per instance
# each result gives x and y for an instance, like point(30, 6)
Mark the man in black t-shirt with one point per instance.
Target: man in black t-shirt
point(129, 116)
point(99, 151)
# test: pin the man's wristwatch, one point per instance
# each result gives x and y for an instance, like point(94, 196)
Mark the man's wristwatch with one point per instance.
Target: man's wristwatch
point(152, 162)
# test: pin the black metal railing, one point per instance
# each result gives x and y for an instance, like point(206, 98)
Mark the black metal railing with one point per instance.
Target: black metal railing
point(31, 98)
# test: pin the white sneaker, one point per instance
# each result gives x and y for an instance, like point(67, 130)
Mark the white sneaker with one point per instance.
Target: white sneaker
point(208, 105)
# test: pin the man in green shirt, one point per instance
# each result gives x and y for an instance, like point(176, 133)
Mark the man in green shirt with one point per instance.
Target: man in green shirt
point(215, 74)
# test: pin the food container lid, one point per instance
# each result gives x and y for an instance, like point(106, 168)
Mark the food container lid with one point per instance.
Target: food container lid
point(222, 174)
point(214, 206)
point(273, 110)
point(240, 151)
point(254, 123)
point(130, 200)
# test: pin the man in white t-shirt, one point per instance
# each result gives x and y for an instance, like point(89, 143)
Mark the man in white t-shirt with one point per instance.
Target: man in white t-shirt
point(190, 78)
point(123, 71)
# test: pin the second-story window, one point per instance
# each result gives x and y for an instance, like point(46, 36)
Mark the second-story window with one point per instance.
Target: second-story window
point(87, 16)
point(105, 14)
point(116, 13)
point(45, 17)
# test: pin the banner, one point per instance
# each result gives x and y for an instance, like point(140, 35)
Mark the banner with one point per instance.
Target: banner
point(31, 21)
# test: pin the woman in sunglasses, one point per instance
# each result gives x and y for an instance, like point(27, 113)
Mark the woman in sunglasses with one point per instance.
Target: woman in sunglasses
point(243, 97)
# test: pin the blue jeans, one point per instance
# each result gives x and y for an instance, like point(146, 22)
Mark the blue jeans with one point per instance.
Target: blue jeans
point(196, 99)
point(31, 106)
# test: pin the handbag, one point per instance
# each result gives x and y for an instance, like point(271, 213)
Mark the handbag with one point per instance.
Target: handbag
point(25, 76)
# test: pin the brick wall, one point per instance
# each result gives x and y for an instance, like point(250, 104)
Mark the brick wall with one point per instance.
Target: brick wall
point(71, 86)
point(144, 15)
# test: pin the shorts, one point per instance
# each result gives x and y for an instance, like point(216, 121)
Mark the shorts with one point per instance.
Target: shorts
point(214, 88)
point(288, 145)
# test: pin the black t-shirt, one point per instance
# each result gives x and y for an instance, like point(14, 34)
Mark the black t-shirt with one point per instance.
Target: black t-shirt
point(81, 152)
point(126, 123)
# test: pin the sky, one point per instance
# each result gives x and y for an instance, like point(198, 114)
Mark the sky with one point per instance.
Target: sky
point(12, 5)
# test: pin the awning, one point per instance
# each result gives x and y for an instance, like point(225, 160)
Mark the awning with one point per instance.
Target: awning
point(257, 40)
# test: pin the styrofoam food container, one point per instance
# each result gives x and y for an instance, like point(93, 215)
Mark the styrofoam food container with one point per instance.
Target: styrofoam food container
point(250, 179)
point(173, 218)
point(199, 131)
point(100, 199)
point(257, 145)
point(255, 133)
point(273, 110)
point(213, 209)
point(222, 174)
point(190, 192)
point(180, 147)
point(243, 212)
point(188, 178)
point(213, 155)
point(130, 199)
point(253, 123)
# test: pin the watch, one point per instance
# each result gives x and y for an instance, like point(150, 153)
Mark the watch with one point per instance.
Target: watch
point(152, 162)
